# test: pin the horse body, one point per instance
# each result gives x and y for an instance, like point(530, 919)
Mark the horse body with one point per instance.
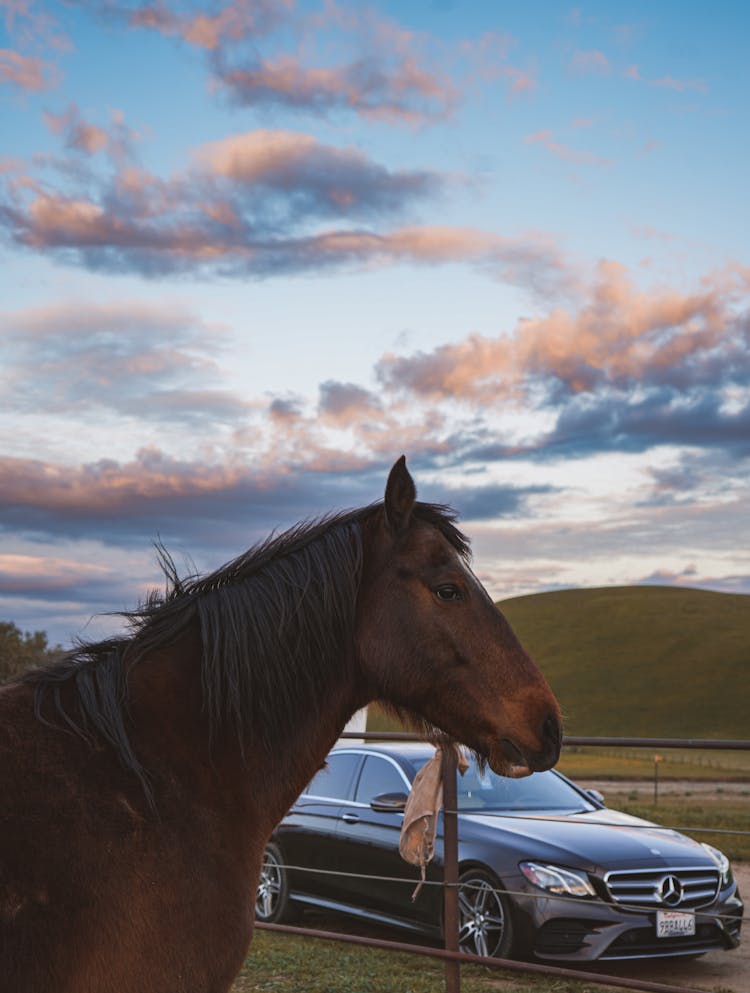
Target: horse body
point(140, 780)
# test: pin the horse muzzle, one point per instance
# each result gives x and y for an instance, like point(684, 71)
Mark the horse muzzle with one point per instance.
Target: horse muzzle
point(514, 760)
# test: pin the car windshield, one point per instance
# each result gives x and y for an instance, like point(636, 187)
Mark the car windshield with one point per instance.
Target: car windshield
point(485, 790)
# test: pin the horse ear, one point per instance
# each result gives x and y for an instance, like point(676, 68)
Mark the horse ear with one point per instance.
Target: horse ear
point(400, 494)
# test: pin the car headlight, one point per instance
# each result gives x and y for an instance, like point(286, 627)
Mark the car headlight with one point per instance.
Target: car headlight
point(555, 879)
point(721, 860)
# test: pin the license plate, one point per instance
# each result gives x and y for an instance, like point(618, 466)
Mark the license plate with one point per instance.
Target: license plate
point(672, 924)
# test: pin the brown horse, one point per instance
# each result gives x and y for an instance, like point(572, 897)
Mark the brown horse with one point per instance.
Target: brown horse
point(141, 777)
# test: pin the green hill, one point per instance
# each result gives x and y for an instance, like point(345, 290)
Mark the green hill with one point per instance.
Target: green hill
point(648, 661)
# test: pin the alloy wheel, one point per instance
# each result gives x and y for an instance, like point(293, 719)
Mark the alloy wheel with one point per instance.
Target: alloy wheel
point(270, 886)
point(483, 921)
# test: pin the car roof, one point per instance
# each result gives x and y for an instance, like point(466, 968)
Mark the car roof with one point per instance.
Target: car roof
point(410, 750)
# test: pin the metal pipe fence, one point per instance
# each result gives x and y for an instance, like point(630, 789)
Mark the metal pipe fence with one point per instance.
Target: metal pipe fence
point(451, 954)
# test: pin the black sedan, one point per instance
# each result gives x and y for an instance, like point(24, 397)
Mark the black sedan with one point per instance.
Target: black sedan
point(545, 868)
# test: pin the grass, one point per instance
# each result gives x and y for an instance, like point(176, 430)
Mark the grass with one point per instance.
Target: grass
point(287, 964)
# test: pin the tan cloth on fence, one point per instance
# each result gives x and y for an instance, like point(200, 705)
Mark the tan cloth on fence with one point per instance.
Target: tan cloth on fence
point(417, 842)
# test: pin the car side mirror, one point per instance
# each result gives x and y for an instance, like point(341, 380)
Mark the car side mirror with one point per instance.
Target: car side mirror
point(596, 796)
point(389, 803)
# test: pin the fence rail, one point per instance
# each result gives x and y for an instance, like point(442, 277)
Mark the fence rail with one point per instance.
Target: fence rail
point(450, 954)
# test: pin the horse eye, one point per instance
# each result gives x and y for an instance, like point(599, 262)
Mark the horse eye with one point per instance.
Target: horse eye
point(448, 592)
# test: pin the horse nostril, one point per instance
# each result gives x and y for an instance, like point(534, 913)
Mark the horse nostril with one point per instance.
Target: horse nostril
point(552, 731)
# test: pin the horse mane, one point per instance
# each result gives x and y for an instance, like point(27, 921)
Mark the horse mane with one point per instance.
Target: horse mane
point(273, 623)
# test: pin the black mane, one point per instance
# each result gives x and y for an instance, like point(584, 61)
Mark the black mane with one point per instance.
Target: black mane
point(273, 623)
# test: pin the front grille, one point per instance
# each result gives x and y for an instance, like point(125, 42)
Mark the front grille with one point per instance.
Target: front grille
point(684, 888)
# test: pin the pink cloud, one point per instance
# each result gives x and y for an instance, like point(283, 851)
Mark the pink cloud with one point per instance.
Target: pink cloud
point(620, 335)
point(78, 133)
point(26, 72)
point(593, 61)
point(32, 26)
point(681, 85)
point(383, 74)
point(575, 155)
point(289, 159)
point(667, 81)
point(262, 203)
point(236, 21)
point(106, 486)
point(520, 80)
point(20, 574)
point(402, 91)
point(346, 404)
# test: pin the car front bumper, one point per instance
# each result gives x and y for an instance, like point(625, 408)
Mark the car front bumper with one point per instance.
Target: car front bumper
point(581, 930)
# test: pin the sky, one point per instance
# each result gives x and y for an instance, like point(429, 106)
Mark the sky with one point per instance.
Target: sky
point(253, 251)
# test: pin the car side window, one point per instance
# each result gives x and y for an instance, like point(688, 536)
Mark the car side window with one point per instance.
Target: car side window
point(334, 780)
point(378, 776)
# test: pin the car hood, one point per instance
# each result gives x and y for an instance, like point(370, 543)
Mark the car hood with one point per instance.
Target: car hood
point(597, 839)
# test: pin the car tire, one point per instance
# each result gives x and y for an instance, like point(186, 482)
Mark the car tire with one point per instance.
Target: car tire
point(272, 896)
point(485, 922)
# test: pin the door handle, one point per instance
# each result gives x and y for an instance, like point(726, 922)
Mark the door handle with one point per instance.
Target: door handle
point(350, 818)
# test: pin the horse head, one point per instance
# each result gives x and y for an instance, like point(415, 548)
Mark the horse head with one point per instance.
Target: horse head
point(431, 642)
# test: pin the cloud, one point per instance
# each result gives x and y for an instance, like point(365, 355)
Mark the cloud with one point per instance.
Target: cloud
point(80, 135)
point(215, 509)
point(403, 92)
point(347, 403)
point(154, 359)
point(348, 60)
point(680, 85)
point(207, 29)
point(620, 336)
point(591, 61)
point(193, 505)
point(341, 179)
point(263, 203)
point(21, 575)
point(630, 369)
point(247, 203)
point(35, 35)
point(575, 155)
point(26, 72)
point(490, 501)
point(335, 59)
point(667, 82)
point(638, 423)
point(33, 27)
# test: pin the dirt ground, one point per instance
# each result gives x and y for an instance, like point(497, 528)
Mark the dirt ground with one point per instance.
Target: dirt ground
point(667, 787)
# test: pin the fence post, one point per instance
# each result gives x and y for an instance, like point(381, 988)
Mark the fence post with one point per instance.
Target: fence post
point(450, 869)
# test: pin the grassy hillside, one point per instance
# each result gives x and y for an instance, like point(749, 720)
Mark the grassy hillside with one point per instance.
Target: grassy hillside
point(649, 661)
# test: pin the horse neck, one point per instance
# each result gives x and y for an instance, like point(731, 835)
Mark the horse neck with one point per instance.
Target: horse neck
point(303, 751)
point(261, 777)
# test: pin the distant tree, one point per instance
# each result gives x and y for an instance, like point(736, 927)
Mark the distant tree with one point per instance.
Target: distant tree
point(21, 650)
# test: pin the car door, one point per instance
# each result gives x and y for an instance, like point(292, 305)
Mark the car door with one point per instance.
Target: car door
point(367, 843)
point(307, 834)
